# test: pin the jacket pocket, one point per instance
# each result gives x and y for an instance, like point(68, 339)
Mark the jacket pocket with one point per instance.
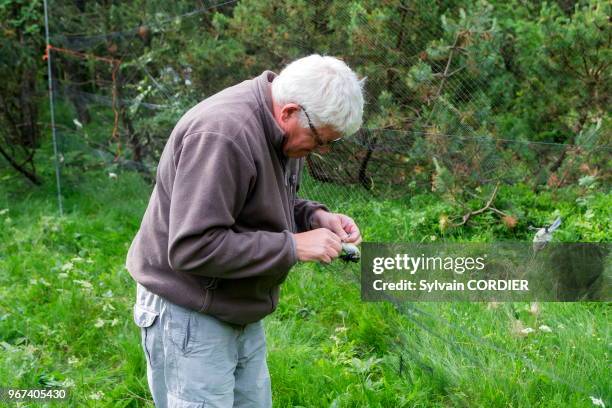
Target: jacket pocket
point(209, 290)
point(148, 321)
point(273, 298)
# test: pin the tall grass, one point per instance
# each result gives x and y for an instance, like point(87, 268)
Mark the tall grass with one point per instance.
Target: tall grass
point(65, 309)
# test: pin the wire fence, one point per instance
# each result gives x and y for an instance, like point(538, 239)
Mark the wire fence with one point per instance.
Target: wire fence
point(378, 162)
point(439, 150)
point(460, 340)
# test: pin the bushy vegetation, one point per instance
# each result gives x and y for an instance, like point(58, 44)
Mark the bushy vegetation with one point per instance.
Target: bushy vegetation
point(460, 81)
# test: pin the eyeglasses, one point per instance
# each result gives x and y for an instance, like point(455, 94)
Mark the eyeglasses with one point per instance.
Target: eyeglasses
point(315, 134)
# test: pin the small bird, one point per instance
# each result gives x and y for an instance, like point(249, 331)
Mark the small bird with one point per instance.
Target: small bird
point(544, 235)
point(350, 253)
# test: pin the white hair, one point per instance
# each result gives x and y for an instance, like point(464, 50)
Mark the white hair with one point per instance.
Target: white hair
point(326, 88)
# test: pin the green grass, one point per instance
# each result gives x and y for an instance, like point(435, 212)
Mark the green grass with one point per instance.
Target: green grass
point(66, 298)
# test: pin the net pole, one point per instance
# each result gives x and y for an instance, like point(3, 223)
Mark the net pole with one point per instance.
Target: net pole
point(52, 112)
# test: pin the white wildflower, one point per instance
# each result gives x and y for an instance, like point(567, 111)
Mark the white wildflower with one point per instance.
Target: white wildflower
point(33, 281)
point(107, 307)
point(545, 328)
point(534, 308)
point(72, 360)
point(85, 284)
point(108, 294)
point(42, 281)
point(114, 322)
point(99, 323)
point(77, 123)
point(4, 211)
point(62, 275)
point(67, 266)
point(112, 175)
point(68, 383)
point(96, 396)
point(492, 305)
point(341, 329)
point(188, 82)
point(598, 402)
point(77, 259)
point(519, 330)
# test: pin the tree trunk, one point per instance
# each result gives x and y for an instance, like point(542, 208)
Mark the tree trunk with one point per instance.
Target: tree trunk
point(30, 175)
point(366, 181)
point(132, 136)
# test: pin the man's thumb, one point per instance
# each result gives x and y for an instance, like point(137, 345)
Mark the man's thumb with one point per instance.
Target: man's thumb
point(339, 231)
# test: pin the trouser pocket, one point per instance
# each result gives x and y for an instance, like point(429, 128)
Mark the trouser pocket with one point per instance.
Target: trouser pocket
point(180, 326)
point(148, 321)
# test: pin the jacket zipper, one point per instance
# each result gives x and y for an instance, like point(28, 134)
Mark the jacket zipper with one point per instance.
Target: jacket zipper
point(290, 182)
point(292, 203)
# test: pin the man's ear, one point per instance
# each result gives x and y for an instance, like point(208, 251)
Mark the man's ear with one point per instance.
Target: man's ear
point(289, 110)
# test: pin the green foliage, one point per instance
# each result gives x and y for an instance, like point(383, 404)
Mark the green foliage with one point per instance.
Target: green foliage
point(560, 63)
point(453, 78)
point(21, 67)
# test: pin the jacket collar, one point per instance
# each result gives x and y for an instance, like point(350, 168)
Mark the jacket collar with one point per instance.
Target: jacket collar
point(274, 133)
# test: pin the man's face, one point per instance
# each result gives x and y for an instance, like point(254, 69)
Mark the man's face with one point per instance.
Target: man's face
point(300, 141)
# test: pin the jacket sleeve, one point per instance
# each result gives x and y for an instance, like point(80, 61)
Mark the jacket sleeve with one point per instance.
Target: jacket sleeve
point(211, 184)
point(303, 211)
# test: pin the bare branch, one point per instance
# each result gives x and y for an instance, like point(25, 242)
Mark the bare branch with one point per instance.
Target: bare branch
point(487, 206)
point(448, 63)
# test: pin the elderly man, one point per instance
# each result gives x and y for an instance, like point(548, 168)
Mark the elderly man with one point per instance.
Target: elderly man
point(223, 228)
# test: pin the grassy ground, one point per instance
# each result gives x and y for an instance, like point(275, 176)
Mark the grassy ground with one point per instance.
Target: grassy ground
point(65, 309)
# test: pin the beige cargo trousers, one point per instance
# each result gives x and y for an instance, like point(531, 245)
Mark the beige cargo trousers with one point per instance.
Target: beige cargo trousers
point(196, 361)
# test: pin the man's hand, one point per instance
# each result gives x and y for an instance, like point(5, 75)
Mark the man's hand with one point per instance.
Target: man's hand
point(317, 245)
point(340, 224)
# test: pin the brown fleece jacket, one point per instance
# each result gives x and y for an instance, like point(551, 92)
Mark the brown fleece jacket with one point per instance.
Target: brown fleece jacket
point(217, 234)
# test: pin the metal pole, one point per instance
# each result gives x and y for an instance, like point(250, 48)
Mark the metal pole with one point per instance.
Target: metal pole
point(52, 110)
